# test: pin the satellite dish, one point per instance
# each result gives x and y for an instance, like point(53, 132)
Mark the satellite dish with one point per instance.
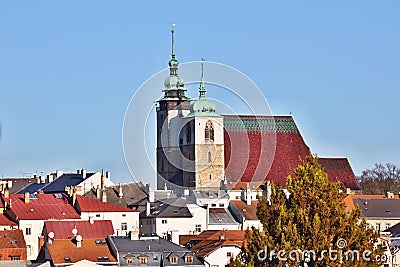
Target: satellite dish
point(74, 231)
point(51, 235)
point(78, 238)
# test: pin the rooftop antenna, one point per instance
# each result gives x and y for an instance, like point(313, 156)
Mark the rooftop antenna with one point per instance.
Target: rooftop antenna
point(172, 35)
point(202, 90)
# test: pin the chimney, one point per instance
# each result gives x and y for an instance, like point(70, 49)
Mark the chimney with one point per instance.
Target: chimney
point(37, 179)
point(78, 171)
point(148, 208)
point(98, 192)
point(58, 173)
point(73, 198)
point(26, 197)
point(222, 236)
point(120, 194)
point(150, 192)
point(103, 180)
point(42, 179)
point(50, 178)
point(6, 193)
point(134, 234)
point(219, 193)
point(248, 196)
point(78, 240)
point(108, 175)
point(104, 196)
point(68, 190)
point(389, 194)
point(84, 173)
point(210, 194)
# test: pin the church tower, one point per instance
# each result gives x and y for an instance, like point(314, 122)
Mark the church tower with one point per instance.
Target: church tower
point(203, 144)
point(171, 109)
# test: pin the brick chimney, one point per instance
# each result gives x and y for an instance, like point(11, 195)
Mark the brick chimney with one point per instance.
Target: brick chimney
point(120, 194)
point(26, 197)
point(98, 192)
point(6, 193)
point(104, 196)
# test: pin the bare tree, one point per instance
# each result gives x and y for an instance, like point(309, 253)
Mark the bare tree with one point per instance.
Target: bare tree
point(380, 179)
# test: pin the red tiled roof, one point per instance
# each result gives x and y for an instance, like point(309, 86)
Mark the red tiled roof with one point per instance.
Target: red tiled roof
point(208, 241)
point(63, 229)
point(250, 153)
point(7, 237)
point(339, 169)
point(45, 207)
point(269, 148)
point(5, 221)
point(92, 205)
point(66, 248)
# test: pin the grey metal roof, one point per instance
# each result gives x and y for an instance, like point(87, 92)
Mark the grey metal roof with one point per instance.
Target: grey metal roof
point(379, 207)
point(211, 194)
point(221, 216)
point(68, 179)
point(171, 207)
point(157, 251)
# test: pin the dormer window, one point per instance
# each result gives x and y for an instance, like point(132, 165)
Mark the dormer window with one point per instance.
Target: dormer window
point(188, 259)
point(173, 259)
point(130, 260)
point(143, 260)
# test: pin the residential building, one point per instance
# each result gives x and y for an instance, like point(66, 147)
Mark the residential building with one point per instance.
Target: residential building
point(215, 248)
point(12, 246)
point(31, 211)
point(151, 251)
point(123, 219)
point(79, 251)
point(172, 217)
point(245, 214)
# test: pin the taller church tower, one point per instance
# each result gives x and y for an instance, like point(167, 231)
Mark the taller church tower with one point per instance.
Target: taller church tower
point(172, 107)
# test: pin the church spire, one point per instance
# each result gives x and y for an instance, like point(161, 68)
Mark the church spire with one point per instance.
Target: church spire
point(202, 89)
point(173, 63)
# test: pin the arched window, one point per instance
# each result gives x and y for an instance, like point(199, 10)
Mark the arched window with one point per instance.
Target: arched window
point(188, 133)
point(209, 131)
point(209, 157)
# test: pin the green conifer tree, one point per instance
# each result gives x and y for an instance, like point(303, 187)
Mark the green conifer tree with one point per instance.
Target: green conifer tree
point(309, 216)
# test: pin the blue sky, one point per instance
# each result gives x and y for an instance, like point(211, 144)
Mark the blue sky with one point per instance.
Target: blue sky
point(69, 69)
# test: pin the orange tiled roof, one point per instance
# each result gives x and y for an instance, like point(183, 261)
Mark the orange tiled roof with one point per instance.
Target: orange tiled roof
point(248, 211)
point(7, 237)
point(66, 248)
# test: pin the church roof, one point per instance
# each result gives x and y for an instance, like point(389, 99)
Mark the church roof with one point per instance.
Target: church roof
point(256, 136)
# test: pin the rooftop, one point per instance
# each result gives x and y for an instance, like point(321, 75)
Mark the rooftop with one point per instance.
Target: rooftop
point(92, 205)
point(339, 169)
point(249, 212)
point(67, 179)
point(221, 216)
point(131, 193)
point(12, 239)
point(66, 251)
point(42, 207)
point(379, 208)
point(5, 221)
point(172, 207)
point(63, 229)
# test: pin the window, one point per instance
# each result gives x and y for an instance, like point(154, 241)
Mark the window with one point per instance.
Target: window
point(229, 254)
point(28, 250)
point(213, 205)
point(188, 133)
point(123, 215)
point(164, 221)
point(221, 205)
point(162, 165)
point(188, 259)
point(198, 228)
point(97, 215)
point(378, 227)
point(173, 259)
point(387, 226)
point(14, 258)
point(209, 131)
point(28, 229)
point(209, 157)
point(143, 260)
point(130, 260)
point(67, 259)
point(124, 226)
